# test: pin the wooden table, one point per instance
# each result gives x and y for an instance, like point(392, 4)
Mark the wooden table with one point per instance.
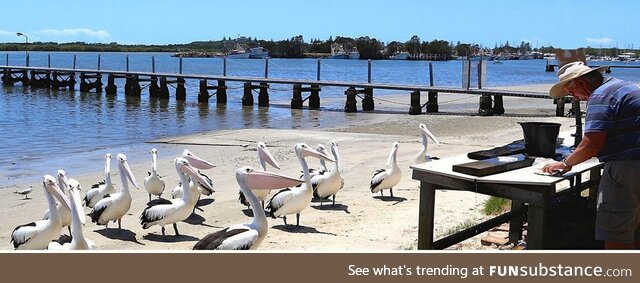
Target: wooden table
point(530, 194)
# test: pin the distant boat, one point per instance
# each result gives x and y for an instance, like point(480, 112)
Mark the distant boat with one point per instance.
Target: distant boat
point(400, 56)
point(258, 53)
point(337, 52)
point(240, 52)
point(549, 56)
point(354, 54)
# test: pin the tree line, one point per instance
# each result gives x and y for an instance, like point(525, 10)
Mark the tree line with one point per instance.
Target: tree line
point(297, 47)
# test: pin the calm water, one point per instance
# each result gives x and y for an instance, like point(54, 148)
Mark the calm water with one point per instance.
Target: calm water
point(43, 130)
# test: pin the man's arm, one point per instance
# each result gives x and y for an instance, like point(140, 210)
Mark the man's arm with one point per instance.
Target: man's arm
point(589, 147)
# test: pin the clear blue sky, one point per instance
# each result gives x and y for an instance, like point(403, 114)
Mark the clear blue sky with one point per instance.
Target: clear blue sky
point(561, 23)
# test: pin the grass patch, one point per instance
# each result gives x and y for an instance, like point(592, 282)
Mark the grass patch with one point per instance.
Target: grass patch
point(495, 206)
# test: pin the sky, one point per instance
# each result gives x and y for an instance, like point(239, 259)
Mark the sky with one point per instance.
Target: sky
point(560, 23)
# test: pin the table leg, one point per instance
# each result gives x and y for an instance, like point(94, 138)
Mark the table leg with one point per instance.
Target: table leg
point(515, 225)
point(426, 216)
point(536, 229)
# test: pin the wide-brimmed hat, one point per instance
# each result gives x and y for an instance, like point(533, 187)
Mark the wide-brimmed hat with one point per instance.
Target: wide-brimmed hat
point(569, 72)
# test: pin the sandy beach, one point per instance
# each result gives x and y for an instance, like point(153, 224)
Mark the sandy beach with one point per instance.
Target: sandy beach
point(360, 220)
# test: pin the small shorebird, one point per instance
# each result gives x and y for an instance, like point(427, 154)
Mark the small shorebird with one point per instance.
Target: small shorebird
point(387, 178)
point(25, 192)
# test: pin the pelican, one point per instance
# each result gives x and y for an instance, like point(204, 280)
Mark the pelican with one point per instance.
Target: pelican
point(330, 182)
point(99, 190)
point(37, 235)
point(115, 206)
point(170, 212)
point(247, 236)
point(63, 212)
point(422, 156)
point(201, 187)
point(78, 241)
point(387, 178)
point(25, 192)
point(264, 157)
point(296, 199)
point(153, 184)
point(323, 167)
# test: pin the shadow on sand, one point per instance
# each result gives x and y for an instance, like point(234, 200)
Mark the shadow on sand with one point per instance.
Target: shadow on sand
point(300, 229)
point(333, 207)
point(169, 238)
point(119, 234)
point(396, 200)
point(195, 219)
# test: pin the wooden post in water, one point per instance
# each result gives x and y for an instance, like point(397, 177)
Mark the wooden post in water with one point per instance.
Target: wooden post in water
point(164, 88)
point(317, 75)
point(416, 107)
point(247, 98)
point(221, 94)
point(367, 100)
point(432, 96)
point(180, 68)
point(127, 85)
point(74, 61)
point(181, 91)
point(296, 101)
point(153, 64)
point(27, 62)
point(350, 104)
point(224, 66)
point(314, 97)
point(126, 59)
point(99, 62)
point(49, 60)
point(84, 87)
point(135, 86)
point(154, 89)
point(111, 86)
point(486, 108)
point(203, 93)
point(369, 71)
point(263, 95)
point(266, 68)
point(7, 60)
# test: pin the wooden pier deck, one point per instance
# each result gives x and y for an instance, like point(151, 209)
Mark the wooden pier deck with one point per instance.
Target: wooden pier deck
point(491, 102)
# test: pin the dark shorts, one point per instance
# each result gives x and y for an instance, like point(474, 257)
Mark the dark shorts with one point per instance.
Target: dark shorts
point(618, 218)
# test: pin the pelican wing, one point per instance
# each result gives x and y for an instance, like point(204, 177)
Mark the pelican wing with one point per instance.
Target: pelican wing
point(23, 233)
point(155, 212)
point(97, 185)
point(377, 178)
point(100, 207)
point(206, 191)
point(238, 238)
point(54, 246)
point(278, 200)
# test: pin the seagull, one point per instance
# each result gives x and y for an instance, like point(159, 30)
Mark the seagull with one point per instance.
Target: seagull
point(247, 236)
point(25, 192)
point(387, 178)
point(422, 156)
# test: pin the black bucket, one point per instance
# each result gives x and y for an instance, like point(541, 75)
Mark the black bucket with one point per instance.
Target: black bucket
point(540, 138)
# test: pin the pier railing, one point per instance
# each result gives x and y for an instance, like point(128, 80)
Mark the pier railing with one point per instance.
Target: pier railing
point(491, 100)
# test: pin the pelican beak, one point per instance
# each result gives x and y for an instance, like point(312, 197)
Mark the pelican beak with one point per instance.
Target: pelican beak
point(262, 180)
point(129, 174)
point(265, 155)
point(53, 189)
point(198, 162)
point(428, 133)
point(75, 198)
point(197, 177)
point(307, 151)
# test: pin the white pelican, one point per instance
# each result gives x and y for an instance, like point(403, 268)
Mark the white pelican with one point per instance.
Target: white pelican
point(422, 156)
point(63, 212)
point(78, 241)
point(200, 186)
point(264, 157)
point(387, 178)
point(323, 166)
point(165, 211)
point(25, 192)
point(296, 199)
point(153, 184)
point(247, 236)
point(115, 206)
point(330, 182)
point(37, 235)
point(99, 190)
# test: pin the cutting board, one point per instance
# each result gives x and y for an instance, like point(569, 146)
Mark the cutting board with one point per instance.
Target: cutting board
point(493, 165)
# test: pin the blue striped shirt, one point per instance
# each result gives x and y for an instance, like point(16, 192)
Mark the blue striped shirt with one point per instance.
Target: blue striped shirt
point(614, 108)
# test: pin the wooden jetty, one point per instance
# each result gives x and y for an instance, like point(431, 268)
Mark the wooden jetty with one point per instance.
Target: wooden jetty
point(552, 67)
point(491, 100)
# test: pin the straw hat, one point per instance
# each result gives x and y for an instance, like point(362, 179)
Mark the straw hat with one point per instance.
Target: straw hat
point(569, 72)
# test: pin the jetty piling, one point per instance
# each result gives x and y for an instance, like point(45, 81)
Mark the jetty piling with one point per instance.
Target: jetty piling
point(40, 79)
point(416, 107)
point(432, 96)
point(90, 81)
point(350, 104)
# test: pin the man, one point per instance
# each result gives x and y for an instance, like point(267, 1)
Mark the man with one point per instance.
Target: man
point(612, 133)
